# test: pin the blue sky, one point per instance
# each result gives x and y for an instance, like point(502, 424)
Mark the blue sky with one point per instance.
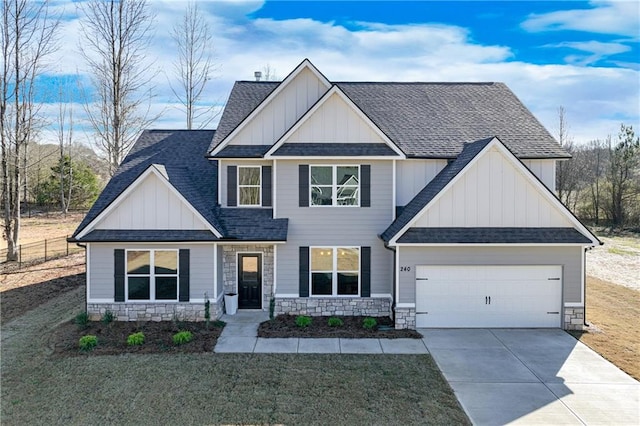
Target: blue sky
point(584, 56)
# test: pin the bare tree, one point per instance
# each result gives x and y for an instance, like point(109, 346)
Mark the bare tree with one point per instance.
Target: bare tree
point(194, 65)
point(568, 171)
point(115, 36)
point(624, 162)
point(596, 157)
point(28, 36)
point(65, 139)
point(269, 73)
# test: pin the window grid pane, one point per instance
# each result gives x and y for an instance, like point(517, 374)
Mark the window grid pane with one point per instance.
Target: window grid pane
point(165, 262)
point(339, 266)
point(138, 262)
point(249, 196)
point(335, 185)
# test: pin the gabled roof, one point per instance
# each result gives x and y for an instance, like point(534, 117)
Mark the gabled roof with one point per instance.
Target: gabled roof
point(434, 187)
point(447, 177)
point(177, 153)
point(335, 91)
point(236, 127)
point(179, 157)
point(425, 120)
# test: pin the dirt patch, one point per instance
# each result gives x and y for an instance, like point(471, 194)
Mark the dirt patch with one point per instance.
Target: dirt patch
point(612, 312)
point(46, 225)
point(617, 261)
point(285, 326)
point(158, 337)
point(24, 290)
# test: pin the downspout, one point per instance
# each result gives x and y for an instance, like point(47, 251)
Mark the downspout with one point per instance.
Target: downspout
point(393, 291)
point(584, 315)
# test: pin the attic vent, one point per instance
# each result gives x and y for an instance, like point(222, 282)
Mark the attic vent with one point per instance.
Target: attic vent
point(257, 75)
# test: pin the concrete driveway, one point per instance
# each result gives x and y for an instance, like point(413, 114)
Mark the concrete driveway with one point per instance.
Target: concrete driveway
point(532, 376)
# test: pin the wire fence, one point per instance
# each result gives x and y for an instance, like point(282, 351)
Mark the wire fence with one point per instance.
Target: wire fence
point(39, 252)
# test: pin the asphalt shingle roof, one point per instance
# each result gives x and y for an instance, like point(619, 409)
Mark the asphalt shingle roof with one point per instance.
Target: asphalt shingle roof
point(248, 224)
point(434, 187)
point(334, 149)
point(180, 154)
point(427, 120)
point(493, 235)
point(434, 120)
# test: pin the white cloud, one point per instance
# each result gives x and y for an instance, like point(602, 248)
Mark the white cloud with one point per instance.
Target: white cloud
point(597, 50)
point(606, 17)
point(596, 99)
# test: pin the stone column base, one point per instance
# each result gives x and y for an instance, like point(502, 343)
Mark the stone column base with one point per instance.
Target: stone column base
point(574, 318)
point(405, 318)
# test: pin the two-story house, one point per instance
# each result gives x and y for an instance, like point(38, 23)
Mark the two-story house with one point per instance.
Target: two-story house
point(432, 203)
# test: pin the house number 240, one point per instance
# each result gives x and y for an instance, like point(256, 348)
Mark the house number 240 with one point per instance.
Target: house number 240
point(405, 269)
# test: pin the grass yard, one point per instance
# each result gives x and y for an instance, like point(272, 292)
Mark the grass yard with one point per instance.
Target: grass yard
point(613, 312)
point(231, 389)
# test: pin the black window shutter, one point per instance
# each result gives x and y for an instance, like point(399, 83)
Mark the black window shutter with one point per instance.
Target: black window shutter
point(118, 256)
point(304, 271)
point(303, 185)
point(365, 271)
point(266, 186)
point(232, 186)
point(365, 185)
point(183, 286)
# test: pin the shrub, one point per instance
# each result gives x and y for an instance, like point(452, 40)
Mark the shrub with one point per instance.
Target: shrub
point(182, 337)
point(303, 321)
point(369, 323)
point(335, 322)
point(88, 342)
point(135, 339)
point(82, 319)
point(108, 317)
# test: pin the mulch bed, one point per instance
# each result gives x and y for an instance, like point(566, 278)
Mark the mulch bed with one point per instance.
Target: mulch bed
point(158, 337)
point(285, 326)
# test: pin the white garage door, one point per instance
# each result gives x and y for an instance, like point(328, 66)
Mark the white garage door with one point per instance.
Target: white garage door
point(488, 296)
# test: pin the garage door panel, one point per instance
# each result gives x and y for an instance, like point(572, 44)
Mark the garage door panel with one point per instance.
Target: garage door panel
point(488, 296)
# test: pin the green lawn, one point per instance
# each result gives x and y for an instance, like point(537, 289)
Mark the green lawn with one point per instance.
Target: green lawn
point(38, 387)
point(230, 389)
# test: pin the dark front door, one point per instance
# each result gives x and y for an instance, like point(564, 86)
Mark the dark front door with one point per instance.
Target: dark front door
point(249, 281)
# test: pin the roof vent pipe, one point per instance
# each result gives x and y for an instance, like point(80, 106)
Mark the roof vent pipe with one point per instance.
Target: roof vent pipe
point(258, 75)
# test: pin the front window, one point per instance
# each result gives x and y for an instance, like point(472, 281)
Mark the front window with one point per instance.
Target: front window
point(152, 275)
point(249, 185)
point(335, 185)
point(335, 271)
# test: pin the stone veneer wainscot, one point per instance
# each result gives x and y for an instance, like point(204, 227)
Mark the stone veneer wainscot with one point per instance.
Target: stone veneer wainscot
point(346, 306)
point(154, 311)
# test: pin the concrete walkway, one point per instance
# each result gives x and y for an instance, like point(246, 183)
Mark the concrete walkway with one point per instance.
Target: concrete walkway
point(532, 376)
point(240, 336)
